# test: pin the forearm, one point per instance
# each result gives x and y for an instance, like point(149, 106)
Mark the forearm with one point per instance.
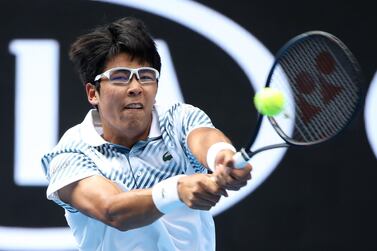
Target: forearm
point(145, 206)
point(197, 191)
point(201, 139)
point(213, 149)
point(103, 200)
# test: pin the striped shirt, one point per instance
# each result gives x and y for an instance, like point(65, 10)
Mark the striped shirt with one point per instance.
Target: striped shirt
point(82, 152)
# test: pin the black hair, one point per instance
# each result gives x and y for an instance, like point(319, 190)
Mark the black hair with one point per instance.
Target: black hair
point(90, 52)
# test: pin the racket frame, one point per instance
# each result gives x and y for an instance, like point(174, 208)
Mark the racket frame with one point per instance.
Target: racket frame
point(245, 153)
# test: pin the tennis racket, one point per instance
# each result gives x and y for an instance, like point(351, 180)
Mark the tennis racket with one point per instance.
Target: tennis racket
point(321, 81)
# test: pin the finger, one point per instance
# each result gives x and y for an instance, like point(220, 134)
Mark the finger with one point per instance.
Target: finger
point(205, 207)
point(230, 183)
point(232, 187)
point(225, 179)
point(204, 201)
point(241, 174)
point(216, 188)
point(237, 177)
point(207, 198)
point(236, 187)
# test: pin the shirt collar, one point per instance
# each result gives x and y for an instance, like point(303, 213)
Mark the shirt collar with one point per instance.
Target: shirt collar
point(155, 126)
point(91, 128)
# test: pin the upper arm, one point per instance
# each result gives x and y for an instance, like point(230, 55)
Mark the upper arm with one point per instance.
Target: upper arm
point(91, 196)
point(65, 169)
point(77, 184)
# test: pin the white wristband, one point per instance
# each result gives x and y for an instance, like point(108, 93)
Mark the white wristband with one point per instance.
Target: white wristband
point(214, 150)
point(165, 195)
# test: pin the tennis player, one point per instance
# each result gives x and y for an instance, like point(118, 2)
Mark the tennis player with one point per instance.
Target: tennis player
point(133, 174)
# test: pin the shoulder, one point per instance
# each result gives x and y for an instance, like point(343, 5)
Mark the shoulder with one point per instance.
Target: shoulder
point(72, 138)
point(175, 109)
point(83, 134)
point(72, 134)
point(181, 117)
point(67, 144)
point(71, 142)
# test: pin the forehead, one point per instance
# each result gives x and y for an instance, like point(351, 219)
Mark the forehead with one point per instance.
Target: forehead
point(124, 60)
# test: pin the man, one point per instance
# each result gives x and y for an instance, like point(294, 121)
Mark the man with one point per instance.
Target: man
point(133, 174)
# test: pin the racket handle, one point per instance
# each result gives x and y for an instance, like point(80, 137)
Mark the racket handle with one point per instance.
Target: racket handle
point(241, 158)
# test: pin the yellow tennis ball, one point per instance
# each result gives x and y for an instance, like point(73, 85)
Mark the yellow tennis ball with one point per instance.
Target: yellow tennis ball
point(269, 101)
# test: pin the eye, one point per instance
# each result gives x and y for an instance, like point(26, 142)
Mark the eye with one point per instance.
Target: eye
point(147, 75)
point(120, 76)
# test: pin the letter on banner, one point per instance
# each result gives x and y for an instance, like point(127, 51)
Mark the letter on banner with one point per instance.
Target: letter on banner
point(36, 106)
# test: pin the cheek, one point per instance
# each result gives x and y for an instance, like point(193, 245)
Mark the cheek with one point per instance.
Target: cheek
point(110, 95)
point(108, 102)
point(152, 94)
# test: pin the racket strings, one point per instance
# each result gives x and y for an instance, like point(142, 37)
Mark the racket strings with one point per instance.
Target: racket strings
point(343, 77)
point(301, 103)
point(305, 134)
point(334, 114)
point(277, 82)
point(326, 127)
point(318, 75)
point(347, 101)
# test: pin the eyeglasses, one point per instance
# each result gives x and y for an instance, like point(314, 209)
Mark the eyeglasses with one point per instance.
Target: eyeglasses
point(123, 75)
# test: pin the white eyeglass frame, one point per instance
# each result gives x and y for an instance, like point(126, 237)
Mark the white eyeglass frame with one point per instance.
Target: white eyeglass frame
point(133, 71)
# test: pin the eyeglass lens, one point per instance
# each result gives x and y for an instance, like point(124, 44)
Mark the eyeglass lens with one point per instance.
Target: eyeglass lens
point(124, 75)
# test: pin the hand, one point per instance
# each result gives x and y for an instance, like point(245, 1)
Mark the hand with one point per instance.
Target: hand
point(200, 191)
point(227, 176)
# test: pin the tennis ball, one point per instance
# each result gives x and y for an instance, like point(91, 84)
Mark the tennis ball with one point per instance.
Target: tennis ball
point(269, 101)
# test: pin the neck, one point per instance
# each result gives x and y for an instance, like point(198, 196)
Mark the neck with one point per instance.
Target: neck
point(127, 138)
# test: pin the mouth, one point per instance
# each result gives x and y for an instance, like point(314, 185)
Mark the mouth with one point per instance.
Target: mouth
point(134, 106)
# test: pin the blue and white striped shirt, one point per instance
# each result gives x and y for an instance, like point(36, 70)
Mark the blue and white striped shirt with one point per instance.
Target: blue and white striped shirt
point(82, 152)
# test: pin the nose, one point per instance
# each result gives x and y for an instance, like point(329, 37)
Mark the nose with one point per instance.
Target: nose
point(134, 87)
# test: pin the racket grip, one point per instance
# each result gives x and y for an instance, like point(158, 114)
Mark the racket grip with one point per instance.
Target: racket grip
point(240, 159)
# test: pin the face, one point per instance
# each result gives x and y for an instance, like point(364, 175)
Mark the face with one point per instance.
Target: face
point(125, 110)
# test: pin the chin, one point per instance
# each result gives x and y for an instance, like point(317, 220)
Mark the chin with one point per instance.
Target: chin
point(134, 120)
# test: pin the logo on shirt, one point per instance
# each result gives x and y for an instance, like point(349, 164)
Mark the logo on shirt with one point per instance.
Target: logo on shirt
point(167, 156)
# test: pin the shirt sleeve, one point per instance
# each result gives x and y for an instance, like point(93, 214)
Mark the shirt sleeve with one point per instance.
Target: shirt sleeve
point(66, 168)
point(193, 118)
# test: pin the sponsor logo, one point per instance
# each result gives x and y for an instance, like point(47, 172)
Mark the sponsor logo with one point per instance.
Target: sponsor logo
point(167, 156)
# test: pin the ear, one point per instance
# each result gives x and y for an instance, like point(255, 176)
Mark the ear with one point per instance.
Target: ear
point(92, 94)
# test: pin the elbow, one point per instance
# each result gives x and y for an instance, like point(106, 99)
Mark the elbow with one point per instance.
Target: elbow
point(119, 226)
point(125, 215)
point(114, 219)
point(116, 222)
point(124, 221)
